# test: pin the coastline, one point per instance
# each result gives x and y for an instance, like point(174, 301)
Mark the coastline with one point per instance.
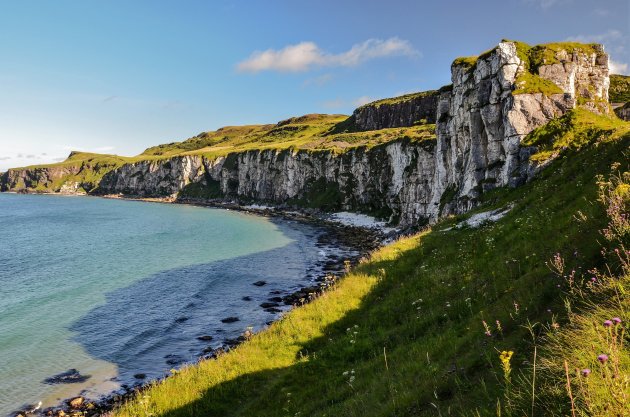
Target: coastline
point(362, 239)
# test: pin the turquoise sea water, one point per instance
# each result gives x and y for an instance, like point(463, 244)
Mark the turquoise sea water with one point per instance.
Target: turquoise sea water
point(116, 288)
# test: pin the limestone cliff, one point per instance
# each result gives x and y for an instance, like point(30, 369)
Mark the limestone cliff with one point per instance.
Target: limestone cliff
point(495, 100)
point(406, 110)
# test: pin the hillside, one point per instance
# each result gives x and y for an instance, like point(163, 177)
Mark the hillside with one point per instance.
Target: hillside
point(619, 91)
point(517, 176)
point(403, 334)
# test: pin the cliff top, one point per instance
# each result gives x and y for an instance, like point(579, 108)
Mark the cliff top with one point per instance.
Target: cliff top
point(400, 99)
point(534, 57)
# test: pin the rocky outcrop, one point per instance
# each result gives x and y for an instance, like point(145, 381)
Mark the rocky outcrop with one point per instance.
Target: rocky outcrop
point(163, 177)
point(391, 180)
point(623, 112)
point(43, 178)
point(407, 110)
point(495, 100)
point(494, 103)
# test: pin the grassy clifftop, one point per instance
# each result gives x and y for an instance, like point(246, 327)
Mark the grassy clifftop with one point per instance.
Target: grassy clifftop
point(410, 332)
point(533, 57)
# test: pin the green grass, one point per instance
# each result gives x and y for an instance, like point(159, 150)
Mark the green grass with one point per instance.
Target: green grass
point(403, 334)
point(619, 91)
point(311, 133)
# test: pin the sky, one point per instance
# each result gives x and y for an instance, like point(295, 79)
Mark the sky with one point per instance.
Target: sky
point(120, 76)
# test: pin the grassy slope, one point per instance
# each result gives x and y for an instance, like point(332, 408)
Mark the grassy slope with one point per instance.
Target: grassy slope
point(402, 334)
point(313, 132)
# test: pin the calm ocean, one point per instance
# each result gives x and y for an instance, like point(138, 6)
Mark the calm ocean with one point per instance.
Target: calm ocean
point(119, 288)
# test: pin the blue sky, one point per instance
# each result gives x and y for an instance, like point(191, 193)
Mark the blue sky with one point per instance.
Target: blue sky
point(119, 76)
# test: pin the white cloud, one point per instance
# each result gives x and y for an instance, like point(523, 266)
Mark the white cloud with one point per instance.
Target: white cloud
point(618, 67)
point(319, 80)
point(334, 104)
point(547, 4)
point(609, 36)
point(362, 100)
point(307, 55)
point(602, 12)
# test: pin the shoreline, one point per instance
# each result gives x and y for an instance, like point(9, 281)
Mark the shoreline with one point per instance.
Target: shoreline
point(344, 238)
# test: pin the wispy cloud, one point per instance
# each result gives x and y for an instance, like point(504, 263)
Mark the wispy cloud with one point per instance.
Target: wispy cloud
point(362, 100)
point(319, 80)
point(339, 102)
point(610, 35)
point(601, 12)
point(334, 104)
point(547, 4)
point(4, 158)
point(618, 67)
point(305, 56)
point(615, 42)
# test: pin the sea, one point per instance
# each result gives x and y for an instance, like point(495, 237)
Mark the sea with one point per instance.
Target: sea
point(124, 292)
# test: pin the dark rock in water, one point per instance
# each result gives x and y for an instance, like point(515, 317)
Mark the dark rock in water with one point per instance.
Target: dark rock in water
point(247, 298)
point(181, 319)
point(268, 305)
point(173, 359)
point(273, 310)
point(275, 292)
point(230, 320)
point(276, 299)
point(71, 376)
point(260, 283)
point(205, 338)
point(140, 376)
point(207, 350)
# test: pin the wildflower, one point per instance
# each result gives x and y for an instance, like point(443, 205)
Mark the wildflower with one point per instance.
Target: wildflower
point(586, 372)
point(487, 328)
point(616, 320)
point(603, 358)
point(593, 279)
point(505, 357)
point(608, 323)
point(499, 328)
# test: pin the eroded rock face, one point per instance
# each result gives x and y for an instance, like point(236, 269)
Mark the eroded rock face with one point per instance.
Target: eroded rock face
point(481, 122)
point(160, 178)
point(404, 111)
point(392, 180)
point(45, 178)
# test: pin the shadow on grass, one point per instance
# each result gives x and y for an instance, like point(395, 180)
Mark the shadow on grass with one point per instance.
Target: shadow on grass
point(419, 347)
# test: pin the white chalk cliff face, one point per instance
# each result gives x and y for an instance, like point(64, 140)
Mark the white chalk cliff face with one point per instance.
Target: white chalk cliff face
point(480, 124)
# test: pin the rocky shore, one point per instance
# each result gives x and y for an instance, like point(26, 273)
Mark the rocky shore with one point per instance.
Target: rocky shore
point(353, 244)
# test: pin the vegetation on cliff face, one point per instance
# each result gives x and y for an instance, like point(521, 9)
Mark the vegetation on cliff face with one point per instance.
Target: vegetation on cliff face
point(313, 133)
point(533, 57)
point(410, 332)
point(619, 91)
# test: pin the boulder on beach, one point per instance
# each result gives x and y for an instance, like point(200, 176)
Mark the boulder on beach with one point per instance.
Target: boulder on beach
point(71, 376)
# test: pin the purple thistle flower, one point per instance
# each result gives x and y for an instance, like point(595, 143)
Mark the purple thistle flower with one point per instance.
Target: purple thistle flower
point(607, 323)
point(616, 320)
point(586, 372)
point(593, 279)
point(602, 358)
